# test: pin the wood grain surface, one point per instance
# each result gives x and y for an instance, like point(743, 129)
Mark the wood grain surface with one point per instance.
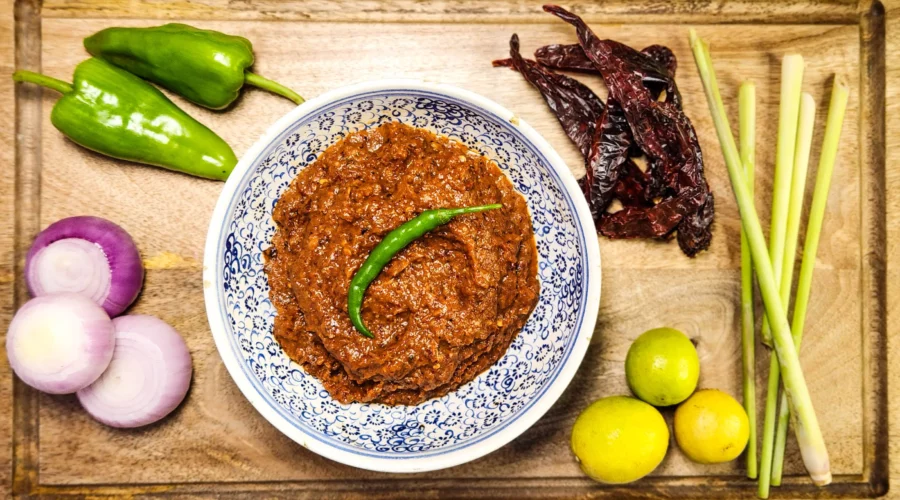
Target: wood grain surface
point(7, 231)
point(217, 442)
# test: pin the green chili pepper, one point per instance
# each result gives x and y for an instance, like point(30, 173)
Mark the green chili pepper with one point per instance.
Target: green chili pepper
point(395, 241)
point(115, 113)
point(205, 66)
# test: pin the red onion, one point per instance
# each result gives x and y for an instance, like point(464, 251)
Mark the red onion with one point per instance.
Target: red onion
point(60, 343)
point(148, 377)
point(87, 255)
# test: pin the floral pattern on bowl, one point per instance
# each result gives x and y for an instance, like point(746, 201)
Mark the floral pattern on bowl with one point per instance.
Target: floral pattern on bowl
point(480, 416)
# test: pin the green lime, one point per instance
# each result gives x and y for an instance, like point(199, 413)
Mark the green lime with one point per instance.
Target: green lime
point(619, 439)
point(662, 367)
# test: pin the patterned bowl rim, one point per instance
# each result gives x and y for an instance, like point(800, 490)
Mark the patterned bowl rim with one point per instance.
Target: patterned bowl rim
point(212, 283)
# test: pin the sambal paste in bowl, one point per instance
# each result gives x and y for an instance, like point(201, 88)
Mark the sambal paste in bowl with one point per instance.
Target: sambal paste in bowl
point(443, 310)
point(478, 326)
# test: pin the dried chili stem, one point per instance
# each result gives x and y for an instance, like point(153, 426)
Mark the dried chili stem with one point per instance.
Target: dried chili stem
point(788, 112)
point(839, 96)
point(809, 435)
point(795, 208)
point(747, 133)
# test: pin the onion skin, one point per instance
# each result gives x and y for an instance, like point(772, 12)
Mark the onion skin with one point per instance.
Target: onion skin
point(148, 378)
point(47, 352)
point(126, 268)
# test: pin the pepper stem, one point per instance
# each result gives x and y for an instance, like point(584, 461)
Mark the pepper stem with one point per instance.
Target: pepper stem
point(272, 86)
point(23, 75)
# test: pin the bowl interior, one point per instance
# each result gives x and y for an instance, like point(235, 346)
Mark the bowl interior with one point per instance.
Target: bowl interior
point(497, 399)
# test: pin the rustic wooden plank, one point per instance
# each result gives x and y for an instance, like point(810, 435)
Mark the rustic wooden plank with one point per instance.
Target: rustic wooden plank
point(174, 249)
point(874, 285)
point(892, 183)
point(25, 224)
point(7, 234)
point(218, 437)
point(465, 11)
point(417, 488)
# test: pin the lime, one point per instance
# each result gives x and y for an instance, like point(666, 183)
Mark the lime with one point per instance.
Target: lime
point(662, 367)
point(619, 439)
point(711, 427)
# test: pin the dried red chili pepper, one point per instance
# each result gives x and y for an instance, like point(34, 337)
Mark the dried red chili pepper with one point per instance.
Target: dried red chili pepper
point(694, 234)
point(663, 56)
point(611, 173)
point(576, 106)
point(659, 66)
point(664, 134)
point(581, 112)
point(609, 151)
point(665, 60)
point(572, 57)
point(635, 187)
point(566, 57)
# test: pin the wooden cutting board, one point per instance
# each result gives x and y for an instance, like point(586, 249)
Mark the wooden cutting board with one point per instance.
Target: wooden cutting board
point(217, 444)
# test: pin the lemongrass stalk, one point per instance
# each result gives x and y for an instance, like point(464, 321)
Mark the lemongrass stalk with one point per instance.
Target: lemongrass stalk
point(795, 209)
point(788, 112)
point(805, 125)
point(767, 451)
point(809, 435)
point(747, 133)
point(839, 96)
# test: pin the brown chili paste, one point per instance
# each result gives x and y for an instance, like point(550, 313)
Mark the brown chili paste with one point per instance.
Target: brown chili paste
point(443, 310)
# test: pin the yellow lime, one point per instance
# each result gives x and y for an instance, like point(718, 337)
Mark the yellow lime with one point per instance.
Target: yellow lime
point(711, 427)
point(662, 367)
point(619, 439)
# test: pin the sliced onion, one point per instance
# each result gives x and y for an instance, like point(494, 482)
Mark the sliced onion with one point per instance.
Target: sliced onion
point(87, 255)
point(60, 343)
point(148, 377)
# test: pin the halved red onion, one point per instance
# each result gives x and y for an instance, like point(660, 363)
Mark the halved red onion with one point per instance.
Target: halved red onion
point(60, 343)
point(87, 255)
point(148, 377)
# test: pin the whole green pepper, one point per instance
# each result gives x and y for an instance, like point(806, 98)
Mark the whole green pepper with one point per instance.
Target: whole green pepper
point(384, 251)
point(205, 66)
point(115, 113)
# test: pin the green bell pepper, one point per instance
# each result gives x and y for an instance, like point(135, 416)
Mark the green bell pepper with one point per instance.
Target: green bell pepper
point(113, 112)
point(205, 66)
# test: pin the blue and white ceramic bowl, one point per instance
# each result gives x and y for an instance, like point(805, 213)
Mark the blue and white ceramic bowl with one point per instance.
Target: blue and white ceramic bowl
point(484, 414)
